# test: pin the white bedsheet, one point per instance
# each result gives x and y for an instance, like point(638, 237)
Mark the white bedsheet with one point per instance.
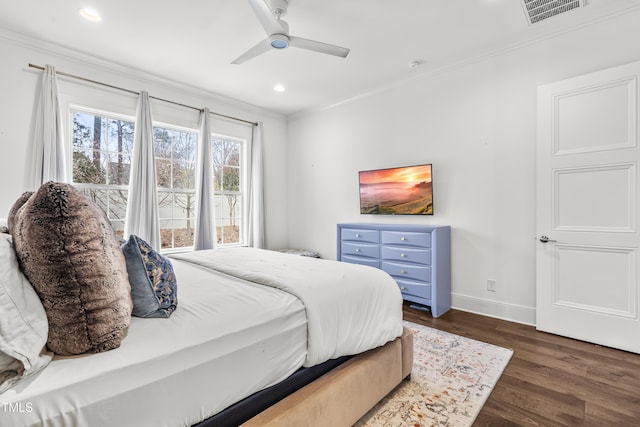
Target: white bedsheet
point(350, 308)
point(227, 339)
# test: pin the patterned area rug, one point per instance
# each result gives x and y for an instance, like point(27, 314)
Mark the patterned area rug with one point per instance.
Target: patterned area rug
point(451, 380)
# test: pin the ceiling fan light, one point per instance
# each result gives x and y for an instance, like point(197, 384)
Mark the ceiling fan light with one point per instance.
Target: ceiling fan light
point(279, 41)
point(279, 44)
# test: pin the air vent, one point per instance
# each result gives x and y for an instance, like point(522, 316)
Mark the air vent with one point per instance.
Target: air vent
point(539, 10)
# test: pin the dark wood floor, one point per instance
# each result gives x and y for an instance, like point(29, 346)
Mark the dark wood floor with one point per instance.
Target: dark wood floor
point(550, 380)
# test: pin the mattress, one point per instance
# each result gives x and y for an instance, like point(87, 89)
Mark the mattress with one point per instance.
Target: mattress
point(228, 339)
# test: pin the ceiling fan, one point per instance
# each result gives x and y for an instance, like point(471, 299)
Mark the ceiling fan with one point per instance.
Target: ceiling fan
point(278, 33)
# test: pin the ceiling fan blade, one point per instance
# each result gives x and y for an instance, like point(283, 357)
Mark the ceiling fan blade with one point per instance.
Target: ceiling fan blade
point(260, 48)
point(318, 46)
point(268, 20)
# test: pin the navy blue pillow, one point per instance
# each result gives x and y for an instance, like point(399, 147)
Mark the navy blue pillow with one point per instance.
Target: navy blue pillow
point(154, 289)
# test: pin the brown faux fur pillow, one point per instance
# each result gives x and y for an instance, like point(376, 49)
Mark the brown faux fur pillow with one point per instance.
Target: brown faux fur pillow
point(69, 252)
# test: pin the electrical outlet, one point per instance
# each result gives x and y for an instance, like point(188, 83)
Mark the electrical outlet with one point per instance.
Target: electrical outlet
point(491, 285)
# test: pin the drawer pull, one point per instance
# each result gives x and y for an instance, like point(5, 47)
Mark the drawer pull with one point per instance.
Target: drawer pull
point(357, 235)
point(403, 288)
point(403, 272)
point(357, 250)
point(403, 256)
point(403, 238)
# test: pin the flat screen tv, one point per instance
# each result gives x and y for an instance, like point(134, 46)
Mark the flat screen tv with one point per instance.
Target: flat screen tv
point(405, 190)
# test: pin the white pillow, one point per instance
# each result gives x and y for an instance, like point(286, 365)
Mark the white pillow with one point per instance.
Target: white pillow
point(23, 322)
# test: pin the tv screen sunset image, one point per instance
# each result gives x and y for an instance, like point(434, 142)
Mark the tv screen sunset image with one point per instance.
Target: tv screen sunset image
point(397, 191)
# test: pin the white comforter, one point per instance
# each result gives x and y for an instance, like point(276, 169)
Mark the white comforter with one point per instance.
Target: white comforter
point(350, 308)
point(228, 339)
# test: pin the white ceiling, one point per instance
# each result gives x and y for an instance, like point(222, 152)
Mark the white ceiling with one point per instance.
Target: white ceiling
point(194, 41)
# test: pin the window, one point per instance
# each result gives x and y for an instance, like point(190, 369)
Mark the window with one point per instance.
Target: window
point(102, 151)
point(102, 147)
point(175, 151)
point(229, 193)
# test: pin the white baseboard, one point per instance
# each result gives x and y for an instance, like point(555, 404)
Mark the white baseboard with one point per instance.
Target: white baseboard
point(500, 310)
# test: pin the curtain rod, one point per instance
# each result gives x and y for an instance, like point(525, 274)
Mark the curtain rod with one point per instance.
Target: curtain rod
point(39, 67)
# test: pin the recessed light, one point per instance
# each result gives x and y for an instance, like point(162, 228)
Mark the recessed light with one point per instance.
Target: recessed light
point(90, 14)
point(278, 88)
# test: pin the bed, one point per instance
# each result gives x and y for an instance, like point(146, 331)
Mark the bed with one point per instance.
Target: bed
point(247, 322)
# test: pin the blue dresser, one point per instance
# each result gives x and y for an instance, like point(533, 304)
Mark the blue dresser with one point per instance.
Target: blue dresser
point(418, 257)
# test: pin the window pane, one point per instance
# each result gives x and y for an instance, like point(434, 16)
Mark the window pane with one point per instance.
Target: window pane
point(217, 151)
point(232, 153)
point(228, 234)
point(165, 204)
point(184, 174)
point(166, 233)
point(119, 168)
point(162, 143)
point(223, 206)
point(175, 167)
point(231, 206)
point(102, 133)
point(184, 205)
point(163, 173)
point(102, 148)
point(120, 136)
point(82, 131)
point(177, 232)
point(88, 131)
point(231, 178)
point(228, 218)
point(86, 170)
point(184, 237)
point(184, 147)
point(228, 189)
point(236, 207)
point(218, 200)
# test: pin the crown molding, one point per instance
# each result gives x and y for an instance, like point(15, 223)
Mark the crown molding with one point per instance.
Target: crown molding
point(128, 72)
point(469, 60)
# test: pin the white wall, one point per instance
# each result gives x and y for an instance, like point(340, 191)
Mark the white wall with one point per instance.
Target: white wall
point(477, 124)
point(18, 95)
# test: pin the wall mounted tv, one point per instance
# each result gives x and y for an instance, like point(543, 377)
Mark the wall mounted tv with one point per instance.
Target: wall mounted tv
point(405, 190)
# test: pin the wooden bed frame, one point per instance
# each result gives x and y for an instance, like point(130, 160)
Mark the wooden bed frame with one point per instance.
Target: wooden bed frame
point(343, 395)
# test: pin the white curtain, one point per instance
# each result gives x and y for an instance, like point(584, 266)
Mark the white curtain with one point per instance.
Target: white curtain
point(142, 205)
point(205, 229)
point(48, 154)
point(256, 191)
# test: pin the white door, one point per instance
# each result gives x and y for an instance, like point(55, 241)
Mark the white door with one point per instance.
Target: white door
point(587, 208)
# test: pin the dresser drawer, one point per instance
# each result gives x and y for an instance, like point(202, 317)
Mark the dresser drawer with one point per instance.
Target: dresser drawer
point(369, 236)
point(407, 271)
point(410, 238)
point(395, 253)
point(361, 249)
point(361, 260)
point(422, 290)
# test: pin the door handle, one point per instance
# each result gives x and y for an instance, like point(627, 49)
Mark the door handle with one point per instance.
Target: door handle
point(545, 239)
